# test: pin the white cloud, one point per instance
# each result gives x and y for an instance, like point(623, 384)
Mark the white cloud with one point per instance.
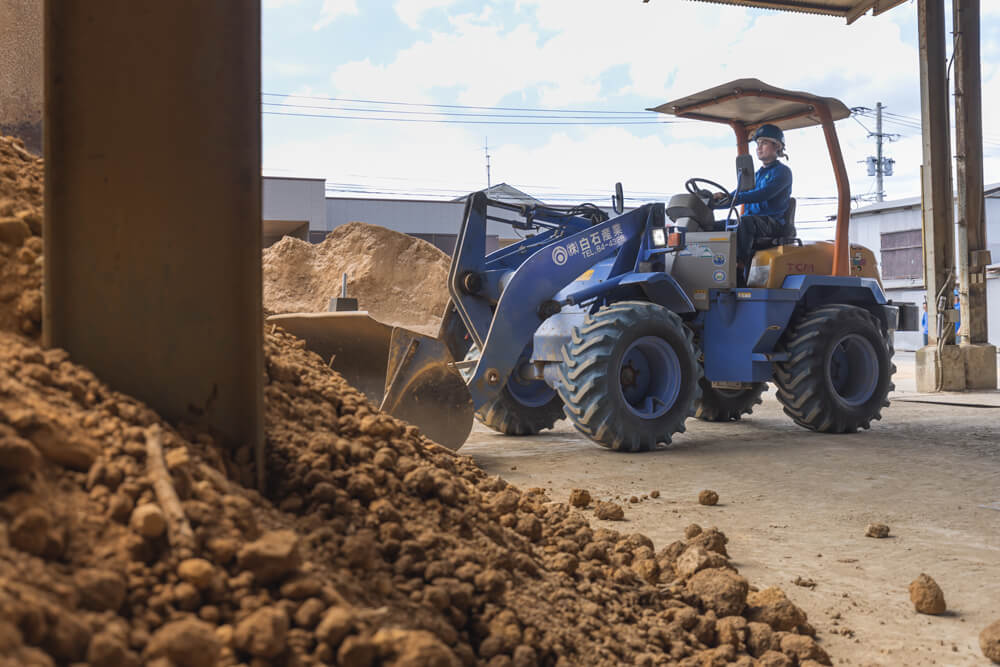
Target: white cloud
point(279, 4)
point(411, 11)
point(669, 49)
point(334, 9)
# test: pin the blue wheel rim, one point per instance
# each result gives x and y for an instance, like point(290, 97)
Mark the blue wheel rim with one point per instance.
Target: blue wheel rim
point(649, 377)
point(852, 370)
point(529, 393)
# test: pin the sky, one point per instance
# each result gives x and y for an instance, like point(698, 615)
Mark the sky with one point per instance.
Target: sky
point(401, 98)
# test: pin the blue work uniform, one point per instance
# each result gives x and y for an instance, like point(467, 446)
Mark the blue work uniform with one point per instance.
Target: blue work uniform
point(771, 191)
point(766, 208)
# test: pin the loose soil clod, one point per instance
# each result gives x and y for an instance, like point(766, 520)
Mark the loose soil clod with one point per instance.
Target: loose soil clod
point(989, 641)
point(877, 530)
point(579, 498)
point(708, 497)
point(926, 596)
point(609, 511)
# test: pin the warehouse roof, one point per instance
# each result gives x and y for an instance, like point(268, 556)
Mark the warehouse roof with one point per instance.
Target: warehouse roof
point(851, 10)
point(990, 191)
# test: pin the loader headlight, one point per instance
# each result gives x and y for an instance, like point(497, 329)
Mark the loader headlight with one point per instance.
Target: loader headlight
point(759, 274)
point(659, 237)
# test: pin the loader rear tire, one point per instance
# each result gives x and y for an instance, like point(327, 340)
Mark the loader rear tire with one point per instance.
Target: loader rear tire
point(521, 407)
point(839, 372)
point(629, 376)
point(724, 405)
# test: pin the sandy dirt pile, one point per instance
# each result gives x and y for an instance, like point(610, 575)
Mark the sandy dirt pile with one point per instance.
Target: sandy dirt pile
point(124, 541)
point(22, 176)
point(399, 279)
point(375, 546)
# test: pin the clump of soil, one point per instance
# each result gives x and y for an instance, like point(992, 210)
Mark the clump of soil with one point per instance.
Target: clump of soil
point(926, 596)
point(708, 497)
point(397, 278)
point(22, 178)
point(693, 530)
point(877, 530)
point(609, 511)
point(989, 641)
point(579, 498)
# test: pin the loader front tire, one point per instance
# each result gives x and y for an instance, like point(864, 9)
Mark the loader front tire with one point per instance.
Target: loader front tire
point(522, 407)
point(629, 376)
point(723, 405)
point(839, 371)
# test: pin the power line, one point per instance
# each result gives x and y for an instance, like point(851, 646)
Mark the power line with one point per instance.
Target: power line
point(468, 122)
point(449, 113)
point(443, 106)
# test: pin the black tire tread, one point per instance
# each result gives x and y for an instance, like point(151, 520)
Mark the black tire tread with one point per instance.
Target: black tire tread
point(715, 407)
point(584, 367)
point(505, 414)
point(801, 380)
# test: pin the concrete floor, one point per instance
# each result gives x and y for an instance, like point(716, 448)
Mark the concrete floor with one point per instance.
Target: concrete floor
point(796, 504)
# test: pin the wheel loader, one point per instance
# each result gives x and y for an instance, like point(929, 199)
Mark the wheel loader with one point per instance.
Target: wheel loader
point(629, 325)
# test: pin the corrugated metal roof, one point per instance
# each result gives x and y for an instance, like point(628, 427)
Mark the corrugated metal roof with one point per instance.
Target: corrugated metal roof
point(990, 191)
point(757, 104)
point(851, 10)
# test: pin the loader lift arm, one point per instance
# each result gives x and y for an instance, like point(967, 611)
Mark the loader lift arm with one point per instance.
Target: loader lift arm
point(524, 279)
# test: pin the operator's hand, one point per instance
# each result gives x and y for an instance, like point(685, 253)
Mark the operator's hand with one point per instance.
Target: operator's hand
point(719, 196)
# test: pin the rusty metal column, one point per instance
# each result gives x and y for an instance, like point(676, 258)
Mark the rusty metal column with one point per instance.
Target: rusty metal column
point(938, 367)
point(153, 203)
point(980, 357)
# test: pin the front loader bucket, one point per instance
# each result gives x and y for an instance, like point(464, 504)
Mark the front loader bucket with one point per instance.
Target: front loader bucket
point(406, 374)
point(424, 389)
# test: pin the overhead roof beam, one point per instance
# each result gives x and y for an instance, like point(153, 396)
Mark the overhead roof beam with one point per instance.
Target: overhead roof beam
point(851, 10)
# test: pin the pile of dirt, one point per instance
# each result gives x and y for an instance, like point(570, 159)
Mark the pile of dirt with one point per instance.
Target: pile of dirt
point(125, 541)
point(397, 278)
point(374, 545)
point(22, 177)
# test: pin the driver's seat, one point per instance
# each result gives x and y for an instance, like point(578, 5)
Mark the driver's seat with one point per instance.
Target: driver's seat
point(688, 207)
point(788, 238)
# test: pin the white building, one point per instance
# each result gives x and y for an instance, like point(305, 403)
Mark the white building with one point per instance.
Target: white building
point(892, 230)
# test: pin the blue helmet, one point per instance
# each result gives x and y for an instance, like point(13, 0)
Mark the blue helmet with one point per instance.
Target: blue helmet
point(772, 132)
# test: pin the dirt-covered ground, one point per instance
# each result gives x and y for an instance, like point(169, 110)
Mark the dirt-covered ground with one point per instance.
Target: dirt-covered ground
point(795, 506)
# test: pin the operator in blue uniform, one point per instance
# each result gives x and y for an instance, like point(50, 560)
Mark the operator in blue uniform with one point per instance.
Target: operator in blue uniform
point(767, 204)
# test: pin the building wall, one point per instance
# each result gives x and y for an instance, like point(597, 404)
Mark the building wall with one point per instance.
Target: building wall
point(866, 229)
point(993, 226)
point(409, 216)
point(437, 222)
point(21, 83)
point(294, 199)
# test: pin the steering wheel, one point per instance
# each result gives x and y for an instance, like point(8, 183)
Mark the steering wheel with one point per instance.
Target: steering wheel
point(691, 185)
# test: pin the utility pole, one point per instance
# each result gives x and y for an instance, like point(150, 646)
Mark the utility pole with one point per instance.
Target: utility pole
point(878, 166)
point(486, 149)
point(880, 196)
